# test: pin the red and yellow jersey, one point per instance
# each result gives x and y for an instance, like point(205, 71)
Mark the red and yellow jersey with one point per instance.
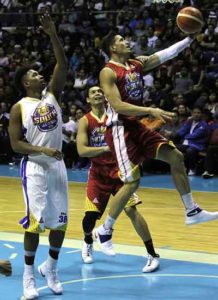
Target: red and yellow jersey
point(129, 81)
point(97, 138)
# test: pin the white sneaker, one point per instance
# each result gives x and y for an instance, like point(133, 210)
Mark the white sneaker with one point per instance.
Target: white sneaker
point(104, 239)
point(152, 265)
point(29, 287)
point(87, 253)
point(198, 215)
point(191, 172)
point(207, 175)
point(51, 275)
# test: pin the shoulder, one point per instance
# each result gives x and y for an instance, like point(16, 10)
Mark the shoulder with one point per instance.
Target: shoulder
point(107, 74)
point(138, 61)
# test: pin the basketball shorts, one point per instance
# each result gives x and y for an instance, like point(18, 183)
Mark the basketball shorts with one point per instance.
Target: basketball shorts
point(45, 190)
point(131, 143)
point(102, 183)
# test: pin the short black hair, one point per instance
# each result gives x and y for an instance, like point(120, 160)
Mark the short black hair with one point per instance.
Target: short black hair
point(18, 79)
point(107, 42)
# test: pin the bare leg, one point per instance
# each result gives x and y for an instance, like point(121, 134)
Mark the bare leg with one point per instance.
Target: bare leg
point(120, 199)
point(141, 228)
point(138, 223)
point(194, 214)
point(176, 160)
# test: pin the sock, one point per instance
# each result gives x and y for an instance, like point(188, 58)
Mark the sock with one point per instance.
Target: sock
point(88, 239)
point(51, 263)
point(150, 248)
point(109, 222)
point(54, 252)
point(28, 270)
point(188, 201)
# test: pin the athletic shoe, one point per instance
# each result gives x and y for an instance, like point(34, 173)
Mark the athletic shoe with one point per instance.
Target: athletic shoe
point(207, 175)
point(87, 253)
point(51, 275)
point(191, 173)
point(104, 238)
point(152, 265)
point(29, 287)
point(197, 215)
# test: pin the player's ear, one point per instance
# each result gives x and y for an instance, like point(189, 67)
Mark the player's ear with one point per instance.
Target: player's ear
point(113, 48)
point(25, 82)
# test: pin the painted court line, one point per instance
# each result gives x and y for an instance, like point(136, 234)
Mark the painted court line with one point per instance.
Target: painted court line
point(189, 256)
point(134, 276)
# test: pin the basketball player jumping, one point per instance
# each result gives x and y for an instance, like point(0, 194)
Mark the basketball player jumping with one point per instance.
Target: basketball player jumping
point(36, 131)
point(129, 140)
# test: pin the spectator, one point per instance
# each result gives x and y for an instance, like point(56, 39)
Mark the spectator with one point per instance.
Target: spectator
point(211, 159)
point(183, 84)
point(194, 135)
point(69, 150)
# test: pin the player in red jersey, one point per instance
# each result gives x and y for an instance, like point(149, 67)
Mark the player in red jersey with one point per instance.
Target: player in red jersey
point(129, 140)
point(104, 181)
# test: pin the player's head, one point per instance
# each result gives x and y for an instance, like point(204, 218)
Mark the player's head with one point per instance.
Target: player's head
point(95, 96)
point(115, 44)
point(27, 79)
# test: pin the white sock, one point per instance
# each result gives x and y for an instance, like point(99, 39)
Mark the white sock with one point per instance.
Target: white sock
point(109, 222)
point(28, 270)
point(51, 263)
point(188, 201)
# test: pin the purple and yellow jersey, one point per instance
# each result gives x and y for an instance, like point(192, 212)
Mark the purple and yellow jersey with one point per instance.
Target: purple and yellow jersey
point(42, 124)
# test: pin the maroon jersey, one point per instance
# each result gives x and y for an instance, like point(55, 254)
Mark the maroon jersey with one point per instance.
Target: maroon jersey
point(129, 83)
point(97, 138)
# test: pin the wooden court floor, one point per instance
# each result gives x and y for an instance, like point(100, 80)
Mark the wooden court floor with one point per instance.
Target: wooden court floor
point(162, 209)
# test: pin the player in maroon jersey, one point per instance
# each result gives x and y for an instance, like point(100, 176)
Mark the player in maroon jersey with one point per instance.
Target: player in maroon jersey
point(104, 181)
point(129, 140)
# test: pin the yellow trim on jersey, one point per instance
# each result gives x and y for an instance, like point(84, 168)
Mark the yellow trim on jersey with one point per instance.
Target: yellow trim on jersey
point(170, 143)
point(96, 117)
point(34, 226)
point(133, 201)
point(90, 206)
point(135, 173)
point(61, 228)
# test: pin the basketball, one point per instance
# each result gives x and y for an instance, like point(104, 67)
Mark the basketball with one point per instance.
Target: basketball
point(189, 20)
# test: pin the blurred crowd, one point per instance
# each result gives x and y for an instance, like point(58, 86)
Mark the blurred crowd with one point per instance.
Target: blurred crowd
point(187, 85)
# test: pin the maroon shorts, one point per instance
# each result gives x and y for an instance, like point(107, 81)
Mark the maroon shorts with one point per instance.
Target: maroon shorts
point(102, 183)
point(131, 143)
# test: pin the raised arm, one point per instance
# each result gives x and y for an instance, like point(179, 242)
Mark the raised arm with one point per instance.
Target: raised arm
point(158, 58)
point(16, 137)
point(57, 83)
point(83, 147)
point(108, 84)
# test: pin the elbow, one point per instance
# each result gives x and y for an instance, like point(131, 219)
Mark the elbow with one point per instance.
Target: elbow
point(81, 152)
point(14, 147)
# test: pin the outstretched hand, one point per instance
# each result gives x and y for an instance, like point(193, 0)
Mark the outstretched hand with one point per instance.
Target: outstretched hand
point(163, 115)
point(47, 25)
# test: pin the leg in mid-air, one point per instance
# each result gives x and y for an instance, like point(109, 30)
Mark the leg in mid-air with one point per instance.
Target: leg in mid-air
point(194, 214)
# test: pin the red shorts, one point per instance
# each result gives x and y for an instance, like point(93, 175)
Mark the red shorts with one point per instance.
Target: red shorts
point(131, 143)
point(102, 183)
